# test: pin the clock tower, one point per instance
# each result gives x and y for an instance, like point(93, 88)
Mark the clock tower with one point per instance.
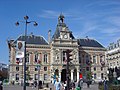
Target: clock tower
point(62, 31)
point(63, 40)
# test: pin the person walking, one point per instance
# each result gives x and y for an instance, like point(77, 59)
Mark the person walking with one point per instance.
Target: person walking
point(57, 84)
point(1, 87)
point(105, 84)
point(88, 83)
point(73, 85)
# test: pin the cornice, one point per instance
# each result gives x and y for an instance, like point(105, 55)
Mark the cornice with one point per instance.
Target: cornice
point(91, 48)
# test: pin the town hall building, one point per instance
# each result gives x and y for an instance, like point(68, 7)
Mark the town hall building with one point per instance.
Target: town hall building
point(88, 57)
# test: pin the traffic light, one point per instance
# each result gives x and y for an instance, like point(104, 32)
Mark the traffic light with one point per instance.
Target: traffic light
point(69, 55)
point(81, 76)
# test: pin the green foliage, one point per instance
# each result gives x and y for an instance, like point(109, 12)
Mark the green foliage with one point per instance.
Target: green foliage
point(3, 75)
point(89, 75)
point(28, 77)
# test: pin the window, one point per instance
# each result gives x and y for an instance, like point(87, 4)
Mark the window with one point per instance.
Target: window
point(45, 58)
point(87, 60)
point(87, 68)
point(64, 57)
point(36, 68)
point(101, 75)
point(45, 68)
point(117, 63)
point(83, 58)
point(94, 59)
point(79, 59)
point(27, 68)
point(94, 75)
point(101, 58)
point(17, 76)
point(45, 76)
point(94, 68)
point(17, 68)
point(36, 58)
point(101, 68)
point(28, 57)
point(36, 76)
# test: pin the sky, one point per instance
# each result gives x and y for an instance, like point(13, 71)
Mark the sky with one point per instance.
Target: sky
point(97, 19)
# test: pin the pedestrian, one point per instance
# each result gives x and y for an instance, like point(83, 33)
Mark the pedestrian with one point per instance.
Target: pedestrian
point(65, 85)
point(88, 83)
point(62, 83)
point(57, 84)
point(105, 84)
point(73, 85)
point(35, 83)
point(1, 87)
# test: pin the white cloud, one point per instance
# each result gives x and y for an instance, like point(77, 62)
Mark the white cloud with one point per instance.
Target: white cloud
point(49, 14)
point(53, 14)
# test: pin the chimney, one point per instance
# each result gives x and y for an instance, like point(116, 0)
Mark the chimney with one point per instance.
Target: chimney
point(49, 36)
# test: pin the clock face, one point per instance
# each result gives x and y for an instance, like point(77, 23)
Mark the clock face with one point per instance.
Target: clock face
point(65, 36)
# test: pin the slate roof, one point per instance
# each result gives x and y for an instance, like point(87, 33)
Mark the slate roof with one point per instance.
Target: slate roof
point(32, 39)
point(89, 43)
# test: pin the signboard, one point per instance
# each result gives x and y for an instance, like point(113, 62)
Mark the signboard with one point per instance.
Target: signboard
point(20, 47)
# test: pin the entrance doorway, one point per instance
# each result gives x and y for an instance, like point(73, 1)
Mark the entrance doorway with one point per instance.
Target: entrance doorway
point(63, 75)
point(75, 75)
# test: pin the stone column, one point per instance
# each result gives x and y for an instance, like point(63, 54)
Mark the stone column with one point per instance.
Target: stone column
point(52, 74)
point(60, 75)
point(77, 75)
point(71, 75)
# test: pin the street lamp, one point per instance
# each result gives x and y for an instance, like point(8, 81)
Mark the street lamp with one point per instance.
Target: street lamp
point(26, 23)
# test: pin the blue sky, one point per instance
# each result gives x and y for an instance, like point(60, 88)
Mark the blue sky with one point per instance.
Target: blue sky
point(97, 19)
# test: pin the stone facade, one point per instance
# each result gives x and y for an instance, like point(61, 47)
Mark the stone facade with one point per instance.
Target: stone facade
point(87, 56)
point(113, 55)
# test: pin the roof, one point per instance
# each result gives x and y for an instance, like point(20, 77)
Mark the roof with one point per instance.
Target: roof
point(89, 43)
point(32, 39)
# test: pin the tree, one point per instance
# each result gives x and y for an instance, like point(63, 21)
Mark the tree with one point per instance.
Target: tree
point(89, 75)
point(3, 74)
point(28, 75)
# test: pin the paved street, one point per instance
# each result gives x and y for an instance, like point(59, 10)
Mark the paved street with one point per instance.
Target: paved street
point(16, 88)
point(92, 87)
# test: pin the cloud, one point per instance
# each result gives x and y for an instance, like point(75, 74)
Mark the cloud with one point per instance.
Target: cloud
point(115, 20)
point(110, 31)
point(53, 14)
point(48, 14)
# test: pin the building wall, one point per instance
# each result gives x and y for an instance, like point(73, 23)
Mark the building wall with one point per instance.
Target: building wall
point(94, 66)
point(31, 64)
point(113, 55)
point(62, 40)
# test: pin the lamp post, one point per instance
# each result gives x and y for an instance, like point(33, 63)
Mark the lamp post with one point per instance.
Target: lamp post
point(26, 23)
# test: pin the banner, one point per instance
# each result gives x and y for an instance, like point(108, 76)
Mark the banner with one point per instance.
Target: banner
point(20, 48)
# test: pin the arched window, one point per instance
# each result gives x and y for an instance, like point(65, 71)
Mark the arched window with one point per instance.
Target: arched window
point(45, 58)
point(94, 59)
point(36, 57)
point(28, 58)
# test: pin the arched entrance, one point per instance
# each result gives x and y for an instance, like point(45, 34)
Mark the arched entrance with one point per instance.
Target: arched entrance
point(63, 75)
point(75, 75)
